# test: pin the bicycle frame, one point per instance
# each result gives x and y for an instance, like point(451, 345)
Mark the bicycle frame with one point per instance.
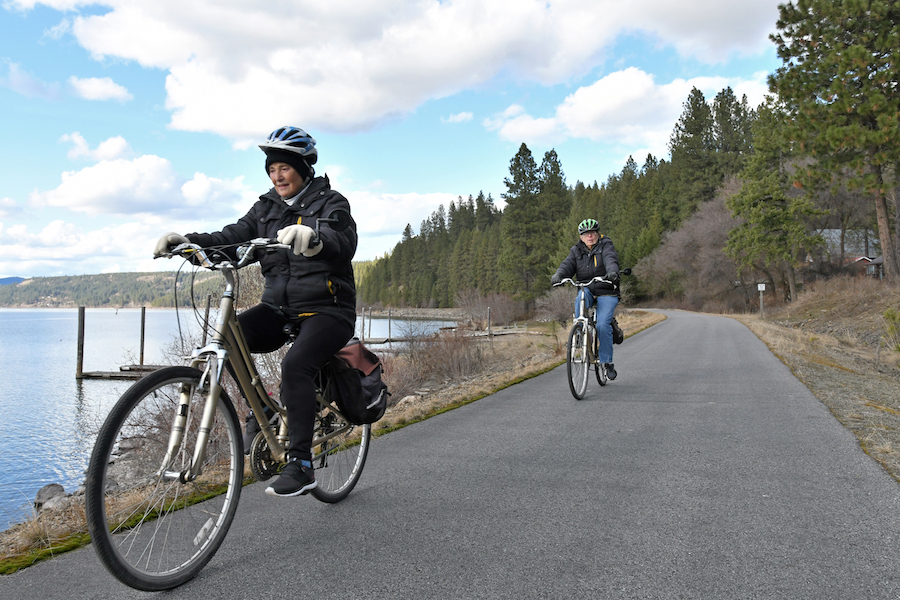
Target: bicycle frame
point(587, 316)
point(229, 344)
point(587, 321)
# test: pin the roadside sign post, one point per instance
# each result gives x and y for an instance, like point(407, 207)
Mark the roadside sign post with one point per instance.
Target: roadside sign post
point(762, 288)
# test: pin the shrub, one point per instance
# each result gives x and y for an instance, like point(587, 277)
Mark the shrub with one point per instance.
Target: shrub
point(892, 329)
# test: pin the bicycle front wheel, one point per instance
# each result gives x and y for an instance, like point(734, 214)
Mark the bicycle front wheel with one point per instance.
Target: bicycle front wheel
point(601, 373)
point(339, 455)
point(577, 361)
point(152, 529)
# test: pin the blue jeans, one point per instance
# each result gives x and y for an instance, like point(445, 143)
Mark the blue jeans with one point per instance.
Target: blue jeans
point(606, 306)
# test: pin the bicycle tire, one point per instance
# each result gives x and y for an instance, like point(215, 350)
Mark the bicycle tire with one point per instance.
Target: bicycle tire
point(150, 531)
point(338, 462)
point(577, 361)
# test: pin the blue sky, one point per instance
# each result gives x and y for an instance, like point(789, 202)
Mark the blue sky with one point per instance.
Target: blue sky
point(126, 119)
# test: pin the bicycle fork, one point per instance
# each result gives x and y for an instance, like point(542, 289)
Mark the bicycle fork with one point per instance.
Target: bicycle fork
point(211, 376)
point(588, 353)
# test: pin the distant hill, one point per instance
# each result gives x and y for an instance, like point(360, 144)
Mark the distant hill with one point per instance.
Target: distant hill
point(127, 290)
point(119, 290)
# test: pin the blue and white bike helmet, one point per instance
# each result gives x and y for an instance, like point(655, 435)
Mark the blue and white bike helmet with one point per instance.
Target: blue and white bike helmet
point(293, 140)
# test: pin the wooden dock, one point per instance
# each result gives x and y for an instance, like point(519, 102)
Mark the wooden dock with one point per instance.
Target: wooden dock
point(124, 372)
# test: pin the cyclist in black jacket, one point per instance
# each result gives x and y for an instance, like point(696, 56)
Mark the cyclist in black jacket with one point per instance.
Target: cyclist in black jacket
point(310, 285)
point(591, 257)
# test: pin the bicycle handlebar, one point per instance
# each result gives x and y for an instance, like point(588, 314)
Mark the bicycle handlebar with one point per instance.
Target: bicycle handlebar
point(599, 278)
point(200, 256)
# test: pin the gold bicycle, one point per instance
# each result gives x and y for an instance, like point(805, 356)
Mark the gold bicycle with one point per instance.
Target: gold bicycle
point(167, 468)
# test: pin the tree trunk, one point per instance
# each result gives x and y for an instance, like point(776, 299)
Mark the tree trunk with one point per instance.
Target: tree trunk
point(895, 200)
point(792, 281)
point(891, 270)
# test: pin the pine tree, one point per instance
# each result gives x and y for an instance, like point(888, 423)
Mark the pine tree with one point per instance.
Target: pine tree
point(693, 159)
point(554, 196)
point(523, 260)
point(839, 80)
point(486, 213)
point(732, 122)
point(775, 228)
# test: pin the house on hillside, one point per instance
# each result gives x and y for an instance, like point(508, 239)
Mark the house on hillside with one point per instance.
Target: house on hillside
point(873, 267)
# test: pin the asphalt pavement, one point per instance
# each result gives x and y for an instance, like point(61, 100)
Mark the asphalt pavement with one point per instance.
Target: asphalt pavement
point(706, 470)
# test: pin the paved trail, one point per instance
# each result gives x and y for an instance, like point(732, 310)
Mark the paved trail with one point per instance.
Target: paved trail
point(705, 471)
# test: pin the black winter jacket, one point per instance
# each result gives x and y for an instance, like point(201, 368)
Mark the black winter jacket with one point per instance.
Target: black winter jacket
point(298, 284)
point(583, 265)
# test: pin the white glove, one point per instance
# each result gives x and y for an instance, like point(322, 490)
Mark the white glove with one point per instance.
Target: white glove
point(167, 242)
point(299, 236)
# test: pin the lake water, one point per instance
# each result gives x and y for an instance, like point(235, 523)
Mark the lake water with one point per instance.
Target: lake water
point(49, 419)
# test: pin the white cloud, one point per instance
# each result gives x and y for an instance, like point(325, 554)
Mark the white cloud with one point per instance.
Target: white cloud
point(458, 118)
point(95, 88)
point(515, 125)
point(384, 58)
point(8, 208)
point(377, 213)
point(110, 149)
point(64, 248)
point(59, 30)
point(26, 84)
point(63, 5)
point(142, 186)
point(627, 108)
point(128, 246)
point(381, 218)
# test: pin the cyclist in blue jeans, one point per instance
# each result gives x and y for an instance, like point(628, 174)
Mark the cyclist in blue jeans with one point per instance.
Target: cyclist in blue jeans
point(595, 256)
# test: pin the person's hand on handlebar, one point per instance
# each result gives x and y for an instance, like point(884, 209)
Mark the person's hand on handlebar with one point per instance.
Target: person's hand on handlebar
point(613, 276)
point(167, 242)
point(300, 237)
point(555, 280)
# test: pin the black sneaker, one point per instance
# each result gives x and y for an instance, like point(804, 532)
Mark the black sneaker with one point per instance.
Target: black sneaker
point(295, 480)
point(611, 371)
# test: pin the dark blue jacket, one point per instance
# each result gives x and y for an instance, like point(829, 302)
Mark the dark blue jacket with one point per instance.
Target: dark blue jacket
point(299, 284)
point(583, 265)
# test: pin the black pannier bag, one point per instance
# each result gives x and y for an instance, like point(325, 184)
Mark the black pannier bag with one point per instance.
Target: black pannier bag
point(355, 384)
point(618, 334)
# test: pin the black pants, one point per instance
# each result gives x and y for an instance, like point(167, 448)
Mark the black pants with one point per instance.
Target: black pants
point(319, 338)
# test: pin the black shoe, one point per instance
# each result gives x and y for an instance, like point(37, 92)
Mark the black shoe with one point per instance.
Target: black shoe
point(295, 480)
point(611, 371)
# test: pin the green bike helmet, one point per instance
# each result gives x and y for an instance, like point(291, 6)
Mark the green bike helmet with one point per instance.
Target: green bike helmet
point(588, 225)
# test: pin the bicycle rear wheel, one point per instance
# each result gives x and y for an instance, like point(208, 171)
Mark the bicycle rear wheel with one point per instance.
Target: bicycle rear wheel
point(339, 455)
point(577, 361)
point(151, 529)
